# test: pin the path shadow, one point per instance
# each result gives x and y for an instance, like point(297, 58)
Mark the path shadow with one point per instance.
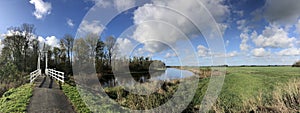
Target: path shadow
point(60, 87)
point(43, 82)
point(51, 83)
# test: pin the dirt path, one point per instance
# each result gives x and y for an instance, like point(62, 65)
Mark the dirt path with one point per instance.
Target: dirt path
point(48, 98)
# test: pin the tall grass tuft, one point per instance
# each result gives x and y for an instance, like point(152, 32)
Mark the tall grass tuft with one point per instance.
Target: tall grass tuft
point(285, 98)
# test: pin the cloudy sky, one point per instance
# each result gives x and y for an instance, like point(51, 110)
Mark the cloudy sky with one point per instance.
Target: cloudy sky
point(254, 32)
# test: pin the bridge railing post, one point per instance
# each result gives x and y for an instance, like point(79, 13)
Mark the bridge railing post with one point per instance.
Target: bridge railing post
point(34, 75)
point(56, 74)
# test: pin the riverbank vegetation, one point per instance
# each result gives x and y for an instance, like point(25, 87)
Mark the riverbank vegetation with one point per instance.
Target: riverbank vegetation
point(245, 89)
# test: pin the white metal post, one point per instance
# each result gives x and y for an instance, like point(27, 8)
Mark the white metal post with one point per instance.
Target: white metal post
point(39, 61)
point(46, 60)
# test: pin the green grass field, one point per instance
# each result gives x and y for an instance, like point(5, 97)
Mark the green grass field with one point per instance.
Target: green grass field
point(245, 89)
point(16, 100)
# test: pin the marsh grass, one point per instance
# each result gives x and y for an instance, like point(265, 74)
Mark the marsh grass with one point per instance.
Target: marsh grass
point(285, 98)
point(142, 102)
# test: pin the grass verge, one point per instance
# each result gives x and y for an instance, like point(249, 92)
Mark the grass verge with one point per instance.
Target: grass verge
point(16, 99)
point(97, 103)
point(74, 96)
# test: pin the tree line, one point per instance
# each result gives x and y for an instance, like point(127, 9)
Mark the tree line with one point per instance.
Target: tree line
point(22, 48)
point(105, 55)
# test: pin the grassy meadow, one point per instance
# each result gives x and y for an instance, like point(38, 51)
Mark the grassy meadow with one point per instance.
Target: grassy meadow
point(253, 88)
point(245, 89)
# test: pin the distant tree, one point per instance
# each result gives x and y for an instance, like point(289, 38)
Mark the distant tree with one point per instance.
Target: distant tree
point(91, 41)
point(80, 50)
point(62, 57)
point(56, 53)
point(110, 43)
point(28, 32)
point(297, 64)
point(69, 42)
point(100, 56)
point(34, 54)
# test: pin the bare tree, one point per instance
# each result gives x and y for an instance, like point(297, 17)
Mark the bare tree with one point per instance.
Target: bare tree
point(27, 30)
point(110, 44)
point(91, 40)
point(69, 42)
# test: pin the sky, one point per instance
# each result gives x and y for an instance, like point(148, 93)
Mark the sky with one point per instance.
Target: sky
point(178, 32)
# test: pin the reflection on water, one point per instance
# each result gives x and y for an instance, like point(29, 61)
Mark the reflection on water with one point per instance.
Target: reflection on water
point(167, 75)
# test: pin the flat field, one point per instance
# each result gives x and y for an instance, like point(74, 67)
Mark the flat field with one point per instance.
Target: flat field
point(263, 89)
point(245, 89)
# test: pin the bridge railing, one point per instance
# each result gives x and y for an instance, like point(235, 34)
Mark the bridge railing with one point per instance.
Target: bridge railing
point(35, 74)
point(56, 74)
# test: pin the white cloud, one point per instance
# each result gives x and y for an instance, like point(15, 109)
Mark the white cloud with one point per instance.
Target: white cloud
point(298, 26)
point(232, 54)
point(274, 37)
point(244, 44)
point(41, 40)
point(70, 22)
point(122, 5)
point(125, 47)
point(101, 3)
point(240, 13)
point(289, 52)
point(11, 33)
point(52, 41)
point(41, 8)
point(298, 42)
point(227, 42)
point(166, 25)
point(260, 52)
point(282, 11)
point(242, 25)
point(202, 51)
point(94, 27)
point(140, 52)
point(223, 28)
point(169, 55)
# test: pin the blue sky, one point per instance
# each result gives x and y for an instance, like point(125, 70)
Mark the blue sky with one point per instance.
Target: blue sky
point(255, 32)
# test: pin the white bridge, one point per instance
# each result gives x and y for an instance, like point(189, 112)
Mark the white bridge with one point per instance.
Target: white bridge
point(49, 72)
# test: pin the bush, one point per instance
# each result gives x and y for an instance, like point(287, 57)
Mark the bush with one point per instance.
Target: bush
point(9, 73)
point(10, 77)
point(297, 64)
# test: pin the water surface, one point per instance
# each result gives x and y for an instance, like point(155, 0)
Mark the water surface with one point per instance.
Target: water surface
point(166, 75)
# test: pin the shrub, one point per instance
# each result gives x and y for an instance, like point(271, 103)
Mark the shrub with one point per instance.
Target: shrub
point(10, 77)
point(297, 64)
point(9, 72)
